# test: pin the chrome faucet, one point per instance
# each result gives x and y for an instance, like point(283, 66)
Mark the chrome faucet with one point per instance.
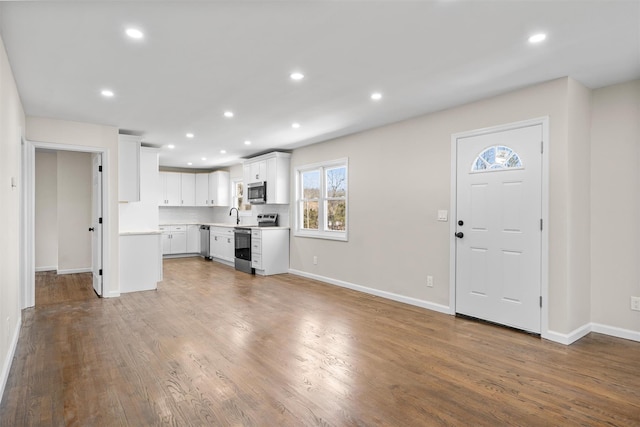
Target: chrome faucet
point(237, 215)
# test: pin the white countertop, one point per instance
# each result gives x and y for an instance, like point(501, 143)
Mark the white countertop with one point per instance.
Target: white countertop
point(224, 224)
point(139, 232)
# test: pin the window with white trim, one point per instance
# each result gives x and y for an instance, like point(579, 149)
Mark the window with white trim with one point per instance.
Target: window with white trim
point(238, 199)
point(321, 200)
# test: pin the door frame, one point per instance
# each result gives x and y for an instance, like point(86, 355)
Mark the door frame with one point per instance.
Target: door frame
point(544, 258)
point(28, 213)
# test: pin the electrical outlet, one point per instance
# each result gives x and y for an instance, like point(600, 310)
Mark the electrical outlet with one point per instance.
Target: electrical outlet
point(635, 303)
point(430, 281)
point(315, 260)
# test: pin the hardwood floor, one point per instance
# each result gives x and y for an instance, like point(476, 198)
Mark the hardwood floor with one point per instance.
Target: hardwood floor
point(213, 346)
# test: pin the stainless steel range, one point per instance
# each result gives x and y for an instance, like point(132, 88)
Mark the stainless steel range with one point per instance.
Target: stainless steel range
point(242, 240)
point(268, 220)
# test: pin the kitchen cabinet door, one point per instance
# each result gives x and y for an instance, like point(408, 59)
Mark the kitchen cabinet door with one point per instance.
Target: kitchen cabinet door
point(202, 189)
point(188, 189)
point(178, 242)
point(170, 184)
point(229, 253)
point(219, 189)
point(259, 171)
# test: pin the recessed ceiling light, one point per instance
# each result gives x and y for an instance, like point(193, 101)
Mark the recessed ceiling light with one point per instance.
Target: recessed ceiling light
point(107, 93)
point(189, 164)
point(190, 135)
point(228, 114)
point(204, 158)
point(171, 146)
point(537, 38)
point(296, 76)
point(295, 125)
point(134, 33)
point(223, 151)
point(376, 96)
point(247, 143)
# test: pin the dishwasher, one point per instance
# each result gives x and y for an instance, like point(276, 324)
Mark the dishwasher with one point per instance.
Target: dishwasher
point(205, 236)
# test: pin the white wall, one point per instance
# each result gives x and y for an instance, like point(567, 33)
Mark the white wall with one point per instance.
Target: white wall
point(12, 123)
point(615, 205)
point(399, 177)
point(54, 131)
point(46, 211)
point(74, 211)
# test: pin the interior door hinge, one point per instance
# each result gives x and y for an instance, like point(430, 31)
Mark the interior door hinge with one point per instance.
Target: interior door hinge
point(99, 168)
point(540, 300)
point(100, 272)
point(99, 220)
point(541, 224)
point(541, 147)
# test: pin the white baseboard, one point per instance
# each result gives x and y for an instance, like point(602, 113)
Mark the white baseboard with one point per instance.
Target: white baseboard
point(558, 337)
point(75, 270)
point(569, 338)
point(6, 365)
point(616, 332)
point(52, 268)
point(384, 294)
point(111, 294)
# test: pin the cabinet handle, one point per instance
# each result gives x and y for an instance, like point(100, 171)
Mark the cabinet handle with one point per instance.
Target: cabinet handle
point(257, 176)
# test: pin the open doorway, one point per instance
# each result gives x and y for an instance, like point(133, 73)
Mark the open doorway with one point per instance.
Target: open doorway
point(65, 190)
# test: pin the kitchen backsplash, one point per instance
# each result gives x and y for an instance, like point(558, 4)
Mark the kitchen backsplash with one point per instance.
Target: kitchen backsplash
point(178, 215)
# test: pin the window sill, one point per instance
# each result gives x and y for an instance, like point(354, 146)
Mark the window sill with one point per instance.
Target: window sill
point(326, 235)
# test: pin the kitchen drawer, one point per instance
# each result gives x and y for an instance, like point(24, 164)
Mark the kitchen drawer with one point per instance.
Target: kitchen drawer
point(256, 261)
point(256, 246)
point(256, 234)
point(178, 228)
point(165, 228)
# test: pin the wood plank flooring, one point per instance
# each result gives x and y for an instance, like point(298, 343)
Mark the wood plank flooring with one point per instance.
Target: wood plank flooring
point(216, 347)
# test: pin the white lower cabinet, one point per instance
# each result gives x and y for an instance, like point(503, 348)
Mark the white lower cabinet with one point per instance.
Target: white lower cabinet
point(270, 251)
point(174, 239)
point(222, 243)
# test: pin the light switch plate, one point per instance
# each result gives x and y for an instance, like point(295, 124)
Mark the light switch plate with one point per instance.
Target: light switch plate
point(443, 216)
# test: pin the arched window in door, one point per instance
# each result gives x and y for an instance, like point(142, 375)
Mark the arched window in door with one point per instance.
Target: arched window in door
point(497, 157)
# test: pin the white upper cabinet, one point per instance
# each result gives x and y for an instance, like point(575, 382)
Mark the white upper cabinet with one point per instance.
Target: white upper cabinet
point(219, 189)
point(202, 189)
point(188, 189)
point(274, 169)
point(128, 168)
point(258, 171)
point(171, 189)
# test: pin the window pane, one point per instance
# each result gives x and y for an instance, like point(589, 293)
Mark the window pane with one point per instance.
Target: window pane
point(311, 184)
point(309, 215)
point(336, 215)
point(337, 182)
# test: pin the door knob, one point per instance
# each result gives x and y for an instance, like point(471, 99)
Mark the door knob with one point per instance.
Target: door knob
point(91, 229)
point(459, 234)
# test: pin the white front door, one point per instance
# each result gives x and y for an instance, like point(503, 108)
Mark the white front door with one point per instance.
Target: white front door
point(498, 227)
point(96, 222)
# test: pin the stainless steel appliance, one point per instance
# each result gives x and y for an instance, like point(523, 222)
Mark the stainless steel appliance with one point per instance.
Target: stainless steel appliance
point(242, 240)
point(268, 220)
point(204, 241)
point(257, 193)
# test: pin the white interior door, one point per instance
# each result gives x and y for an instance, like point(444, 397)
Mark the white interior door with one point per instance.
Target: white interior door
point(498, 233)
point(96, 222)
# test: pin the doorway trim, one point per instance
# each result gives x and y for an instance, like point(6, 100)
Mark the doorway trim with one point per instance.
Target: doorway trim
point(544, 267)
point(28, 214)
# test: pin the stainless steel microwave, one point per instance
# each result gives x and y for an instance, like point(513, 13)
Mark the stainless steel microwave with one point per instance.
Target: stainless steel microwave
point(257, 193)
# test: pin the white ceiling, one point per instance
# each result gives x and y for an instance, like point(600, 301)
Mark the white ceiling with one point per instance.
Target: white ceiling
point(198, 59)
